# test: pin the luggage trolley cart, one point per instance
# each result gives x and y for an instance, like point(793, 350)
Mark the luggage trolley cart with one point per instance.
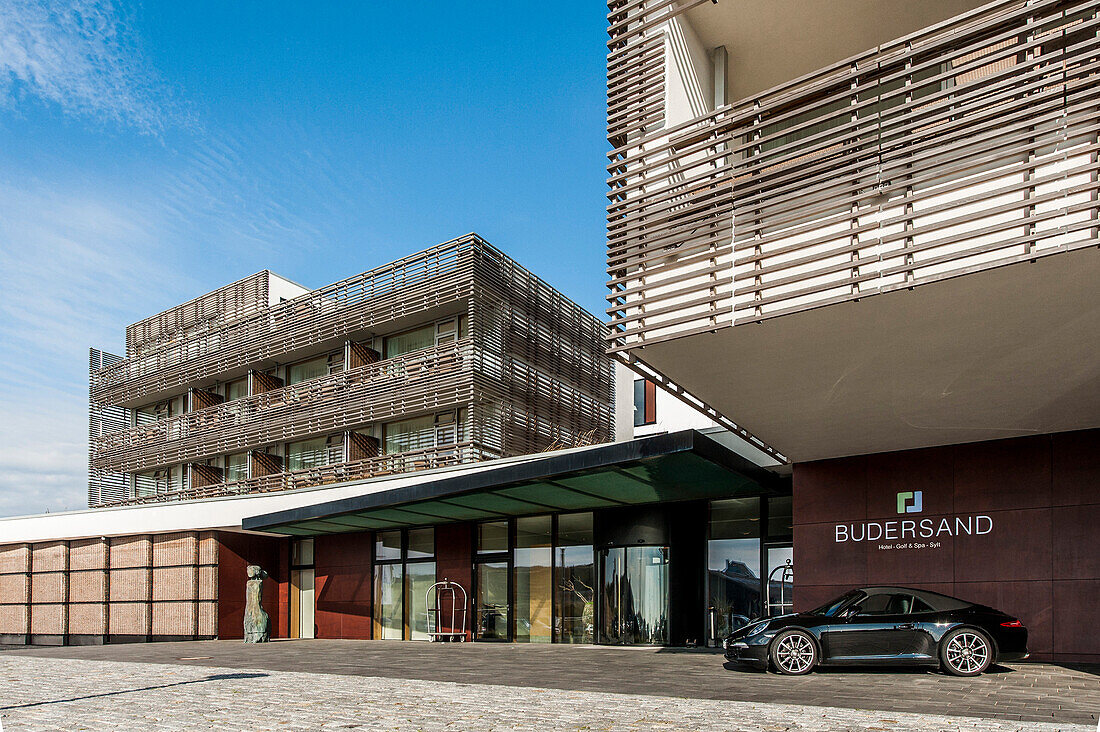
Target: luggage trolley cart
point(785, 603)
point(447, 594)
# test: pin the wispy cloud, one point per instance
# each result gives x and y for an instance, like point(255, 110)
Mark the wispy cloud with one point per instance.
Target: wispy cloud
point(83, 57)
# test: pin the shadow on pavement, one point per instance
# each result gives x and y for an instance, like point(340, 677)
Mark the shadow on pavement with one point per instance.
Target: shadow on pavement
point(211, 677)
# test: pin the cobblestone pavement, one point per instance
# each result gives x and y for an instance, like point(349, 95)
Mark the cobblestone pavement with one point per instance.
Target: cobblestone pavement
point(66, 694)
point(1027, 691)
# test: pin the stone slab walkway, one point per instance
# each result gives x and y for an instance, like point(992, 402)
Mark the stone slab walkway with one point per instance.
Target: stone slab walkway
point(66, 694)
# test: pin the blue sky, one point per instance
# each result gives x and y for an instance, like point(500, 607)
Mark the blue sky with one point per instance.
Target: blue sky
point(152, 152)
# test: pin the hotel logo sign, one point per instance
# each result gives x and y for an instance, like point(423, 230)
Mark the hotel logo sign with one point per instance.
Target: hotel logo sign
point(917, 497)
point(914, 533)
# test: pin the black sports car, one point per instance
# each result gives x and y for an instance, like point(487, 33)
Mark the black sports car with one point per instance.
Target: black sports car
point(880, 626)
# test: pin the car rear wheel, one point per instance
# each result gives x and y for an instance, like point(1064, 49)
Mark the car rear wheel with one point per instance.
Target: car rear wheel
point(793, 653)
point(966, 652)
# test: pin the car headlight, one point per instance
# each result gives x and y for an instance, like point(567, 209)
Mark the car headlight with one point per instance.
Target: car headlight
point(757, 629)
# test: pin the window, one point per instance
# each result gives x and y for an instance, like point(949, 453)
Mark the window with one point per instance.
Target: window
point(645, 402)
point(409, 341)
point(306, 370)
point(405, 570)
point(531, 575)
point(236, 467)
point(236, 389)
point(159, 482)
point(733, 562)
point(574, 580)
point(886, 604)
point(307, 454)
point(424, 433)
point(426, 336)
point(920, 606)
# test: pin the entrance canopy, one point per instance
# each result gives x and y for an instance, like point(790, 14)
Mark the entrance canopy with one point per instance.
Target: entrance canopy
point(671, 467)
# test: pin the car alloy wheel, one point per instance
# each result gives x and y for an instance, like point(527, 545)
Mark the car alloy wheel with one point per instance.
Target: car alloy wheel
point(966, 652)
point(794, 653)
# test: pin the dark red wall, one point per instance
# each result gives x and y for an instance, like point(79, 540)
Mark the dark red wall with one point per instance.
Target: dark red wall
point(235, 552)
point(1040, 561)
point(342, 577)
point(454, 551)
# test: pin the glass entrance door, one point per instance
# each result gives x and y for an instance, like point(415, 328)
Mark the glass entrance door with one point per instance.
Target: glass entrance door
point(634, 589)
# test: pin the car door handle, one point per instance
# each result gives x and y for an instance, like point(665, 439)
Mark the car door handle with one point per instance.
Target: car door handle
point(905, 626)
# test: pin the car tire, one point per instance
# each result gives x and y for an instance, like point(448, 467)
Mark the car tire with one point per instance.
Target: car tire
point(793, 653)
point(966, 652)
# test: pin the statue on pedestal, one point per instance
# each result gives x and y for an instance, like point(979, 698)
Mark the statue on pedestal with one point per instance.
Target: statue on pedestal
point(257, 625)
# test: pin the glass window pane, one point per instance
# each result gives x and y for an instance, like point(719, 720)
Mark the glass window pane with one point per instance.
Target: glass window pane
point(736, 518)
point(409, 341)
point(421, 577)
point(491, 604)
point(780, 580)
point(533, 593)
point(574, 583)
point(639, 402)
point(492, 536)
point(533, 531)
point(421, 543)
point(302, 552)
point(387, 545)
point(307, 454)
point(780, 517)
point(417, 433)
point(575, 529)
point(236, 467)
point(388, 583)
point(236, 389)
point(733, 576)
point(306, 370)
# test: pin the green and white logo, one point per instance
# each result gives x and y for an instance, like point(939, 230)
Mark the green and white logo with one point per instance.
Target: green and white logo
point(917, 497)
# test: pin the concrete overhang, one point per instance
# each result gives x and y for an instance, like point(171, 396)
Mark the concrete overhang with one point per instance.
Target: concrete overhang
point(770, 42)
point(676, 466)
point(999, 353)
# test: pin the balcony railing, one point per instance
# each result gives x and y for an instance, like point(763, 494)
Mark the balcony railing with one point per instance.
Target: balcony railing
point(403, 462)
point(414, 284)
point(969, 145)
point(415, 382)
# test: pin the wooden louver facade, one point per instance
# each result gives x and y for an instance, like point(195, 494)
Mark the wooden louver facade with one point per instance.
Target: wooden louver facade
point(969, 145)
point(528, 371)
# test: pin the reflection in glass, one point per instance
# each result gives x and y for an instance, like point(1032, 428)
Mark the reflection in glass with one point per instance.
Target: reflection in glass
point(421, 543)
point(635, 596)
point(387, 545)
point(421, 577)
point(575, 582)
point(387, 593)
point(492, 536)
point(532, 578)
point(734, 578)
point(780, 582)
point(491, 603)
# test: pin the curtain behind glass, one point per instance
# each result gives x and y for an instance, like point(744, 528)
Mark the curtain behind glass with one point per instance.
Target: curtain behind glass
point(300, 372)
point(417, 433)
point(410, 341)
point(307, 454)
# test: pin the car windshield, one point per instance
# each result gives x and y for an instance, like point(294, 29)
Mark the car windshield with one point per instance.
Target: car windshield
point(830, 609)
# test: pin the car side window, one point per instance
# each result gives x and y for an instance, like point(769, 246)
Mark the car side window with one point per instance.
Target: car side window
point(920, 606)
point(875, 605)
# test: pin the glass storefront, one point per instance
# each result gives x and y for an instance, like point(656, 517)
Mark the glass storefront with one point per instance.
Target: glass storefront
point(542, 579)
point(404, 570)
point(574, 580)
point(733, 562)
point(634, 595)
point(531, 560)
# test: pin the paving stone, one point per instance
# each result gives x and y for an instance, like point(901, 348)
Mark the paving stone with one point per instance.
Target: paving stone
point(328, 684)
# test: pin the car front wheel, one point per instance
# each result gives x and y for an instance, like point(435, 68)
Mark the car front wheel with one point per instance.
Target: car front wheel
point(793, 653)
point(966, 652)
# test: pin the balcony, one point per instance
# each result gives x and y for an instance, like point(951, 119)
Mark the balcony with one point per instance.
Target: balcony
point(416, 284)
point(404, 462)
point(416, 382)
point(892, 251)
